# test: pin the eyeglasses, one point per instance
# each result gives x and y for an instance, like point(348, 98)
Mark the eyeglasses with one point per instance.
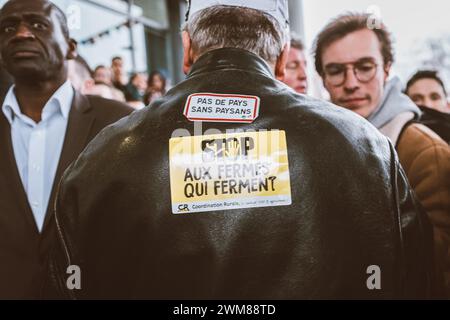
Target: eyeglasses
point(336, 73)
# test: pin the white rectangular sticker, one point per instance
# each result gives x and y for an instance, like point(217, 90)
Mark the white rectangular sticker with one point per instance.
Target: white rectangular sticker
point(215, 107)
point(229, 171)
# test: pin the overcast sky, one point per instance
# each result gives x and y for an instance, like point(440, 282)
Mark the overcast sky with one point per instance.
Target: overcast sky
point(410, 21)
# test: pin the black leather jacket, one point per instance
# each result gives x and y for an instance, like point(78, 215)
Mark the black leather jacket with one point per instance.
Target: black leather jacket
point(351, 206)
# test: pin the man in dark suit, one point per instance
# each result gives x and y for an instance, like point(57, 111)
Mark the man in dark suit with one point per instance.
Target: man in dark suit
point(44, 125)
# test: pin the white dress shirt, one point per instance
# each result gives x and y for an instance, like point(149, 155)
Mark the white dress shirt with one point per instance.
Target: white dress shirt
point(37, 146)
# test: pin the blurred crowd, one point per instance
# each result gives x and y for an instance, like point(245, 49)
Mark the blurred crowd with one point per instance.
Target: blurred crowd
point(112, 82)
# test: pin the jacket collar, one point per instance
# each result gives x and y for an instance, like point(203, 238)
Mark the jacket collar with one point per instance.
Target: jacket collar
point(435, 114)
point(230, 58)
point(63, 97)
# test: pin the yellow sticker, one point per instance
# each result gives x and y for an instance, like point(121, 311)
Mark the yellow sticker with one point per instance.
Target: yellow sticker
point(229, 171)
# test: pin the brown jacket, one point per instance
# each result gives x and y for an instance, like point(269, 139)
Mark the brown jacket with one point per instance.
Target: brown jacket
point(425, 157)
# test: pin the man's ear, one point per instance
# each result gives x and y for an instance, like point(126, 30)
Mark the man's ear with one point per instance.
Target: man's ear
point(187, 52)
point(72, 51)
point(280, 65)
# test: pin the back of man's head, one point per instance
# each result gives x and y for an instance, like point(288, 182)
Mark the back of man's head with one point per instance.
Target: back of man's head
point(223, 26)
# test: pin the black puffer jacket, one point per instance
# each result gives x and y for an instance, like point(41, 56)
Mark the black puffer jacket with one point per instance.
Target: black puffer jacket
point(351, 206)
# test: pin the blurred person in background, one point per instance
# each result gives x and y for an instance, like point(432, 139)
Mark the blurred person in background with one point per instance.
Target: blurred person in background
point(428, 92)
point(354, 62)
point(296, 76)
point(118, 76)
point(103, 85)
point(80, 74)
point(156, 87)
point(102, 75)
point(81, 77)
point(135, 90)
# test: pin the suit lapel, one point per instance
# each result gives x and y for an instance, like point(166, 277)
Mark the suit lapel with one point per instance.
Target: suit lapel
point(77, 136)
point(11, 176)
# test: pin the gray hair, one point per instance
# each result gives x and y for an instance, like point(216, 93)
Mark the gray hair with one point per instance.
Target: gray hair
point(237, 27)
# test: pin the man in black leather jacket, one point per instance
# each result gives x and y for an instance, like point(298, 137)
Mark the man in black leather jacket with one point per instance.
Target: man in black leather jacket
point(345, 224)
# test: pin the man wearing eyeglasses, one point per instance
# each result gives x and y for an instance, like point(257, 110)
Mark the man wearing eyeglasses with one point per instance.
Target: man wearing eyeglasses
point(354, 60)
